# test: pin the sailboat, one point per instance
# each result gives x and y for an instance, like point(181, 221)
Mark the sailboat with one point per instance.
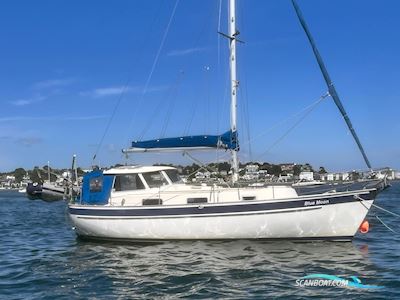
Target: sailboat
point(147, 203)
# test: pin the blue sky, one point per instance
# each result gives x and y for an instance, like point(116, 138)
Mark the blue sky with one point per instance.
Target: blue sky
point(64, 65)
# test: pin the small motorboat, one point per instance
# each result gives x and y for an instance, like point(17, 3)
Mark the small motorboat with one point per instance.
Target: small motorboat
point(48, 191)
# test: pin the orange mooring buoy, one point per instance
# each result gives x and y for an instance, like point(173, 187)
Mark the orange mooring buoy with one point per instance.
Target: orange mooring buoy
point(364, 227)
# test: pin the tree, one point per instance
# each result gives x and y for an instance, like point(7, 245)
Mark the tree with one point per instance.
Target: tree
point(224, 167)
point(265, 166)
point(354, 175)
point(275, 170)
point(191, 169)
point(297, 170)
point(80, 171)
point(322, 170)
point(307, 167)
point(19, 174)
point(35, 175)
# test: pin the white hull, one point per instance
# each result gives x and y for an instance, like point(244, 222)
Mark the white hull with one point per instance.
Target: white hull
point(338, 221)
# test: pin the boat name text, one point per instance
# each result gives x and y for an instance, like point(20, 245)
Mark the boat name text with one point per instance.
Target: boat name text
point(316, 202)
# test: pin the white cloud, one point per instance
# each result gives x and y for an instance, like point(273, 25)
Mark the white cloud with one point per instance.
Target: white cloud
point(27, 101)
point(51, 86)
point(29, 141)
point(54, 118)
point(106, 91)
point(84, 118)
point(118, 90)
point(186, 51)
point(51, 83)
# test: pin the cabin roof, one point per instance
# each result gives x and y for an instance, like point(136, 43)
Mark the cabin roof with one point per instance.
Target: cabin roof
point(137, 169)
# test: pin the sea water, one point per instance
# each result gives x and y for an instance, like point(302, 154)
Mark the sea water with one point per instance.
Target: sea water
point(41, 258)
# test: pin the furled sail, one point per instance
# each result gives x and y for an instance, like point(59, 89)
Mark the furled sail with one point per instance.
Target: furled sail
point(225, 141)
point(329, 83)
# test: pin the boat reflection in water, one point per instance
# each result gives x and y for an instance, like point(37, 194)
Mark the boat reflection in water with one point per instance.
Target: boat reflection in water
point(211, 268)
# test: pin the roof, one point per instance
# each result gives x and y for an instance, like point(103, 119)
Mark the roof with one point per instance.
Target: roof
point(137, 169)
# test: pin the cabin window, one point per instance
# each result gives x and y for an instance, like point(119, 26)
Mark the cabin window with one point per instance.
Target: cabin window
point(154, 201)
point(155, 179)
point(173, 176)
point(128, 182)
point(249, 197)
point(197, 200)
point(96, 184)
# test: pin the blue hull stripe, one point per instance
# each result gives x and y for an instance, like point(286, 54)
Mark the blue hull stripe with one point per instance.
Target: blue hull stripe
point(213, 208)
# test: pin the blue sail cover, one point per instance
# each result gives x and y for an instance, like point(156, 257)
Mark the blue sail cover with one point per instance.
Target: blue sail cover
point(96, 188)
point(228, 140)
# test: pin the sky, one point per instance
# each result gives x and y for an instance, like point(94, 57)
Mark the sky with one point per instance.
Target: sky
point(86, 77)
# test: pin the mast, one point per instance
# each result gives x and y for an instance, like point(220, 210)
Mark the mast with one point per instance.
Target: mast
point(48, 171)
point(234, 84)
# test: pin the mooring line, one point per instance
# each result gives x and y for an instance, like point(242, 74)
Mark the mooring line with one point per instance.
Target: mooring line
point(381, 208)
point(379, 219)
point(387, 226)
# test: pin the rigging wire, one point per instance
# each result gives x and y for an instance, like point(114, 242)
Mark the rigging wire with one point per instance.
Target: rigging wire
point(121, 95)
point(208, 98)
point(157, 110)
point(171, 105)
point(225, 82)
point(160, 49)
point(195, 45)
point(155, 61)
point(247, 117)
point(225, 99)
point(218, 64)
point(195, 104)
point(311, 106)
point(218, 36)
point(295, 124)
point(245, 120)
point(243, 91)
point(202, 166)
point(189, 123)
point(111, 119)
point(299, 113)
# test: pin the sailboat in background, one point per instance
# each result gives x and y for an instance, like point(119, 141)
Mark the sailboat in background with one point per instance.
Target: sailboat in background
point(152, 202)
